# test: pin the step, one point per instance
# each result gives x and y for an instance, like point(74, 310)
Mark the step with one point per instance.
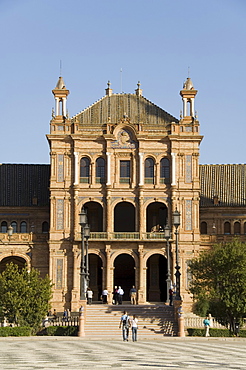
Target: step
point(153, 320)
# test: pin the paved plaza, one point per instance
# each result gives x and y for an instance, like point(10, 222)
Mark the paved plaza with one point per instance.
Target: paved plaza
point(76, 353)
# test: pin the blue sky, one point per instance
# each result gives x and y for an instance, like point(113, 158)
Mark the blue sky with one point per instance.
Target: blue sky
point(154, 42)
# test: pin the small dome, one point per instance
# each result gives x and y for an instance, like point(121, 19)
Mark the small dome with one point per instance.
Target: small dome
point(60, 84)
point(188, 85)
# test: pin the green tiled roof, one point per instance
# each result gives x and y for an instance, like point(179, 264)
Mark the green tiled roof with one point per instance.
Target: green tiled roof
point(225, 181)
point(24, 185)
point(137, 108)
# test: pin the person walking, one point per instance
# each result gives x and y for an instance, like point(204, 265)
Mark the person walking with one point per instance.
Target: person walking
point(89, 295)
point(134, 325)
point(105, 296)
point(65, 315)
point(120, 295)
point(206, 324)
point(133, 295)
point(125, 324)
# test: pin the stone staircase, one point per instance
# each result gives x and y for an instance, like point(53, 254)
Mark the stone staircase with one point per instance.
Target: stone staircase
point(154, 321)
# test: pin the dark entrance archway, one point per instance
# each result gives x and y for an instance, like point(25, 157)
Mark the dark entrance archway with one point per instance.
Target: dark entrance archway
point(156, 278)
point(94, 215)
point(20, 262)
point(156, 216)
point(124, 273)
point(124, 217)
point(95, 271)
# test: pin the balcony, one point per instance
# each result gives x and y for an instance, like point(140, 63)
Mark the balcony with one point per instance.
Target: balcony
point(22, 238)
point(97, 236)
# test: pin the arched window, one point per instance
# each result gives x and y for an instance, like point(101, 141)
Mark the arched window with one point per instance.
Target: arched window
point(244, 226)
point(204, 228)
point(4, 227)
point(14, 225)
point(23, 227)
point(149, 171)
point(165, 171)
point(237, 228)
point(85, 170)
point(45, 227)
point(227, 227)
point(100, 170)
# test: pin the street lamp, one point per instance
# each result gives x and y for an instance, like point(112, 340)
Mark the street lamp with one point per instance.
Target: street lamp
point(167, 235)
point(176, 222)
point(82, 222)
point(87, 235)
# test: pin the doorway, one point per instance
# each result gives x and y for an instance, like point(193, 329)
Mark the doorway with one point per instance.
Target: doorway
point(124, 273)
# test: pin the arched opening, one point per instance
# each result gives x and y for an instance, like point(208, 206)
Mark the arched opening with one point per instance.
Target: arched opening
point(85, 170)
point(100, 170)
point(95, 271)
point(156, 216)
point(14, 225)
point(204, 227)
point(14, 259)
point(45, 227)
point(164, 171)
point(227, 227)
point(94, 216)
point(4, 227)
point(237, 228)
point(149, 171)
point(124, 217)
point(23, 227)
point(156, 278)
point(124, 273)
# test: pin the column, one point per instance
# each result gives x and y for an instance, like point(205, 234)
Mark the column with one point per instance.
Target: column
point(108, 168)
point(173, 169)
point(64, 107)
point(185, 106)
point(57, 106)
point(141, 180)
point(109, 283)
point(192, 107)
point(76, 178)
point(93, 173)
point(142, 288)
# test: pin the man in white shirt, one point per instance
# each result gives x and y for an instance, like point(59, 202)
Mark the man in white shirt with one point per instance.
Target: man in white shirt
point(105, 296)
point(120, 295)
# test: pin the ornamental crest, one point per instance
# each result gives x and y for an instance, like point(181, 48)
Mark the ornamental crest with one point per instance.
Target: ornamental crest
point(124, 140)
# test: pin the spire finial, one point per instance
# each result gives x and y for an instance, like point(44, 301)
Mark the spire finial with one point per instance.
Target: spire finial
point(138, 90)
point(188, 72)
point(109, 91)
point(60, 67)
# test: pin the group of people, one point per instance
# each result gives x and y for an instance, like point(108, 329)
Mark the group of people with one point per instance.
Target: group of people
point(126, 323)
point(117, 295)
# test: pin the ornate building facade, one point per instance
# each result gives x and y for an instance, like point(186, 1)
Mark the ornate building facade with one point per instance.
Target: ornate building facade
point(129, 164)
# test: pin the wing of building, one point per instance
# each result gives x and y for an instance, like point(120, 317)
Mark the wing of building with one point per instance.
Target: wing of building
point(124, 166)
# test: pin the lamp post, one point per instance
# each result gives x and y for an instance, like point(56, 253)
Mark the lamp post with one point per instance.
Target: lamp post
point(176, 222)
point(82, 222)
point(167, 235)
point(87, 235)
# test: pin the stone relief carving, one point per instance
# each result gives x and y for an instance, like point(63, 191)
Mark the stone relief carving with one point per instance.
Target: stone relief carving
point(124, 140)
